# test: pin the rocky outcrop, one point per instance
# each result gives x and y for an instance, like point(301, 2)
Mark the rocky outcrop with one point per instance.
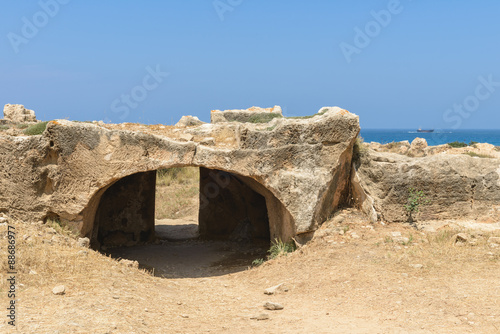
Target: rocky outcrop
point(16, 113)
point(252, 115)
point(418, 146)
point(458, 186)
point(189, 121)
point(300, 168)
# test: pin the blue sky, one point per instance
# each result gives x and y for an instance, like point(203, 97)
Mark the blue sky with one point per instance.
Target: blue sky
point(396, 64)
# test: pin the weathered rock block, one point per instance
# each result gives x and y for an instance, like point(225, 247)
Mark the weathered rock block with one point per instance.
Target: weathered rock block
point(16, 113)
point(300, 167)
point(458, 186)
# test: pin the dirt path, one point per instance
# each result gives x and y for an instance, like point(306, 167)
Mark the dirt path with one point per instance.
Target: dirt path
point(353, 278)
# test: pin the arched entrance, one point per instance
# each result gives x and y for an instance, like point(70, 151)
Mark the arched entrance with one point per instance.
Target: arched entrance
point(231, 206)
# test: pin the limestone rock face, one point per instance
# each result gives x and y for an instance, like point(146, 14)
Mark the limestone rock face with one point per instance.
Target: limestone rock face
point(16, 113)
point(458, 186)
point(299, 168)
point(252, 115)
point(189, 121)
point(418, 146)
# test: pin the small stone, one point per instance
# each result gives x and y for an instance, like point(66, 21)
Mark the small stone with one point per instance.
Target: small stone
point(262, 316)
point(4, 220)
point(83, 253)
point(354, 235)
point(494, 240)
point(51, 230)
point(417, 266)
point(185, 316)
point(130, 263)
point(494, 245)
point(185, 137)
point(59, 290)
point(272, 290)
point(209, 141)
point(84, 242)
point(273, 306)
point(460, 238)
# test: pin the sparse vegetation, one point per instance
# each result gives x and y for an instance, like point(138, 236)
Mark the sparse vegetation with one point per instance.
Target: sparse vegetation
point(457, 144)
point(279, 248)
point(478, 155)
point(322, 112)
point(497, 148)
point(22, 126)
point(62, 227)
point(36, 129)
point(3, 127)
point(263, 117)
point(359, 150)
point(269, 128)
point(257, 262)
point(473, 143)
point(176, 192)
point(416, 198)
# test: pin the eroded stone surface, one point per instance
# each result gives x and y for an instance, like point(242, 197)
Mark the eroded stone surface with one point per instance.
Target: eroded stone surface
point(301, 166)
point(457, 186)
point(17, 113)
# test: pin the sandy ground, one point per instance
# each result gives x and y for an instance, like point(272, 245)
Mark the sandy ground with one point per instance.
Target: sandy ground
point(352, 278)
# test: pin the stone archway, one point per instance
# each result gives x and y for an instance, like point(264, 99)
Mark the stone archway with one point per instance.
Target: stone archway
point(231, 206)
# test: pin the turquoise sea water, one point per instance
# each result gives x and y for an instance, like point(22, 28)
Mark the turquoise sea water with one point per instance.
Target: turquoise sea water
point(437, 137)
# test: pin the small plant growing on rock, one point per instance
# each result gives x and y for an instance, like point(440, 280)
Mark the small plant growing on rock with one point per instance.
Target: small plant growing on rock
point(416, 198)
point(474, 154)
point(279, 248)
point(359, 150)
point(4, 127)
point(257, 262)
point(22, 126)
point(457, 144)
point(36, 129)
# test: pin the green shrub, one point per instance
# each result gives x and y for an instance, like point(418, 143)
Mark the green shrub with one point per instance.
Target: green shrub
point(279, 248)
point(3, 127)
point(359, 150)
point(416, 198)
point(473, 143)
point(36, 129)
point(457, 144)
point(257, 262)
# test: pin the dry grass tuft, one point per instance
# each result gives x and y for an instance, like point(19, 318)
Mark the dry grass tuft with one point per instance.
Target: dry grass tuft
point(45, 259)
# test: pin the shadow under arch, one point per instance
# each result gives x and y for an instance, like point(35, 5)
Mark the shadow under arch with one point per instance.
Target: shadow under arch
point(230, 203)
